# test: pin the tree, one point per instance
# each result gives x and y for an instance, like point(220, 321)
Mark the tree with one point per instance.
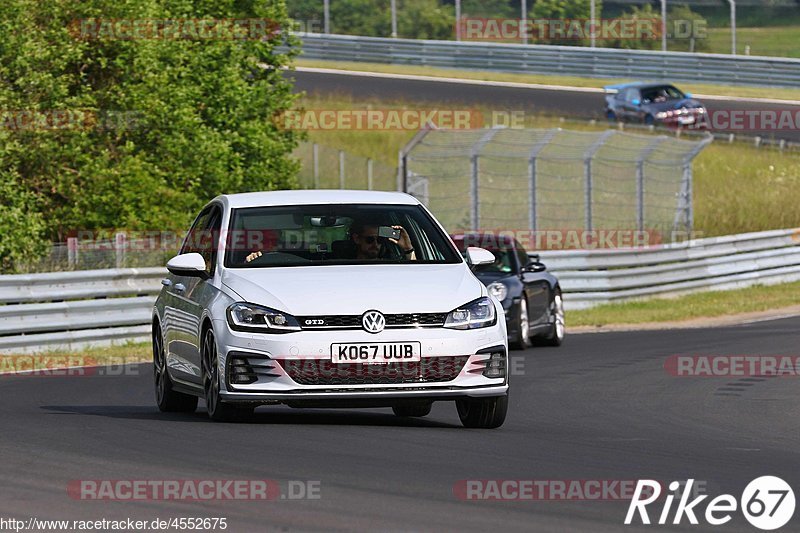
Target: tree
point(163, 124)
point(577, 11)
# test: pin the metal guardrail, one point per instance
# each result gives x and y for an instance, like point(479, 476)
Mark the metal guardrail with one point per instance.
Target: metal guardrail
point(592, 277)
point(564, 60)
point(74, 309)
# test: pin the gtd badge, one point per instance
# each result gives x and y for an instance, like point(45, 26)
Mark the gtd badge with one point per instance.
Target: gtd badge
point(314, 322)
point(373, 321)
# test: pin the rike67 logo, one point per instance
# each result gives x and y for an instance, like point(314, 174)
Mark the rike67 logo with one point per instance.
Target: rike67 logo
point(767, 503)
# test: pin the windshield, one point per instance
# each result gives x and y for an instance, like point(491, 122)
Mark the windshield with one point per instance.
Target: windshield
point(661, 94)
point(335, 234)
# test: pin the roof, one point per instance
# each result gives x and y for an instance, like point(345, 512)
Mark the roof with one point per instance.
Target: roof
point(312, 197)
point(638, 84)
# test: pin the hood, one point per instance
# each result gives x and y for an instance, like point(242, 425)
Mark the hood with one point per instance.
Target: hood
point(689, 103)
point(354, 289)
point(487, 278)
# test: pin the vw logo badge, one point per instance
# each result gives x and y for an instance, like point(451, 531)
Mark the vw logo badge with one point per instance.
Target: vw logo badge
point(373, 321)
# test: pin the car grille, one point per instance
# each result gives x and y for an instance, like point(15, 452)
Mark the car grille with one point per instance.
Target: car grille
point(408, 320)
point(323, 372)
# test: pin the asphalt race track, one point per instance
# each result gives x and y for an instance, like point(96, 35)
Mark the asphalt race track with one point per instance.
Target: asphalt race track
point(573, 104)
point(601, 407)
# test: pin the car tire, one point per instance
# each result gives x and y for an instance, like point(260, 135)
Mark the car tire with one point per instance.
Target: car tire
point(611, 116)
point(523, 337)
point(413, 409)
point(557, 331)
point(218, 410)
point(167, 399)
point(484, 413)
point(649, 120)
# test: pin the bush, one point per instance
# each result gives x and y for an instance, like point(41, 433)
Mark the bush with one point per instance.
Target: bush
point(167, 124)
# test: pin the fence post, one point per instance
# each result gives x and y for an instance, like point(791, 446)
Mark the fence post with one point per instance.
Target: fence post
point(369, 174)
point(119, 249)
point(640, 181)
point(402, 167)
point(587, 174)
point(341, 169)
point(72, 251)
point(532, 159)
point(315, 163)
point(474, 217)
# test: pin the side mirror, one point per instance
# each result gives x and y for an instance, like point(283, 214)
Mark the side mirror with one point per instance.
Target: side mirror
point(535, 266)
point(636, 101)
point(191, 264)
point(479, 256)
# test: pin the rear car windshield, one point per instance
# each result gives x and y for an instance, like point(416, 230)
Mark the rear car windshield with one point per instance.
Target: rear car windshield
point(335, 234)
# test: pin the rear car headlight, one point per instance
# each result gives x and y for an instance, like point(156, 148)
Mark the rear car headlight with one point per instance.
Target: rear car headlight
point(250, 317)
point(498, 290)
point(479, 313)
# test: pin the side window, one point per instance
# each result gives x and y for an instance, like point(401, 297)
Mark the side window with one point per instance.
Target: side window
point(210, 241)
point(192, 241)
point(522, 255)
point(631, 95)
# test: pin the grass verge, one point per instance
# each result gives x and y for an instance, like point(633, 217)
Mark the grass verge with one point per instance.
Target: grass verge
point(691, 306)
point(568, 81)
point(130, 352)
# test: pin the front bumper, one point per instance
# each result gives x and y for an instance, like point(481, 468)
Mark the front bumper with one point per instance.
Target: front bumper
point(282, 352)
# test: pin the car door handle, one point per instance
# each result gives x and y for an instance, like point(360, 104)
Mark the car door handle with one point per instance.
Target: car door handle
point(166, 282)
point(180, 287)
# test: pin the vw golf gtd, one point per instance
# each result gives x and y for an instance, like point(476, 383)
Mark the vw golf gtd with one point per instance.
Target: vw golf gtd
point(327, 299)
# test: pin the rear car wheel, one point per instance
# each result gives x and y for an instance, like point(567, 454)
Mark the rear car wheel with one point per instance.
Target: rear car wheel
point(649, 120)
point(523, 338)
point(557, 329)
point(217, 409)
point(611, 116)
point(484, 413)
point(413, 409)
point(167, 399)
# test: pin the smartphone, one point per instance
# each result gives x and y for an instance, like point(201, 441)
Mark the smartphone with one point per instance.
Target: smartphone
point(389, 232)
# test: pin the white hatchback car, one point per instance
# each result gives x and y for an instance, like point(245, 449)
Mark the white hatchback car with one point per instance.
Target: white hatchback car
point(327, 299)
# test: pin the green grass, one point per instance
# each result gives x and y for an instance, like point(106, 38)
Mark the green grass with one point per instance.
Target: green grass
point(779, 41)
point(572, 81)
point(692, 306)
point(129, 352)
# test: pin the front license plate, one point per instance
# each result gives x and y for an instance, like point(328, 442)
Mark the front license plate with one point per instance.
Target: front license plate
point(376, 352)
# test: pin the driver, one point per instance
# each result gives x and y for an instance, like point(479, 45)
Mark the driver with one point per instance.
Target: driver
point(365, 236)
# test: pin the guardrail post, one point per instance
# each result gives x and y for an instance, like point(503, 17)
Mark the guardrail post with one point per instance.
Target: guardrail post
point(72, 251)
point(119, 249)
point(315, 163)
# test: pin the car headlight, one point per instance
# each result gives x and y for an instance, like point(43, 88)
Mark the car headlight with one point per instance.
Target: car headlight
point(661, 114)
point(498, 290)
point(479, 313)
point(249, 317)
point(701, 110)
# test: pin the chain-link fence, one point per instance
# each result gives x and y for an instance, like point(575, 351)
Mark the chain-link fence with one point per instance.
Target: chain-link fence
point(323, 167)
point(120, 252)
point(553, 179)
